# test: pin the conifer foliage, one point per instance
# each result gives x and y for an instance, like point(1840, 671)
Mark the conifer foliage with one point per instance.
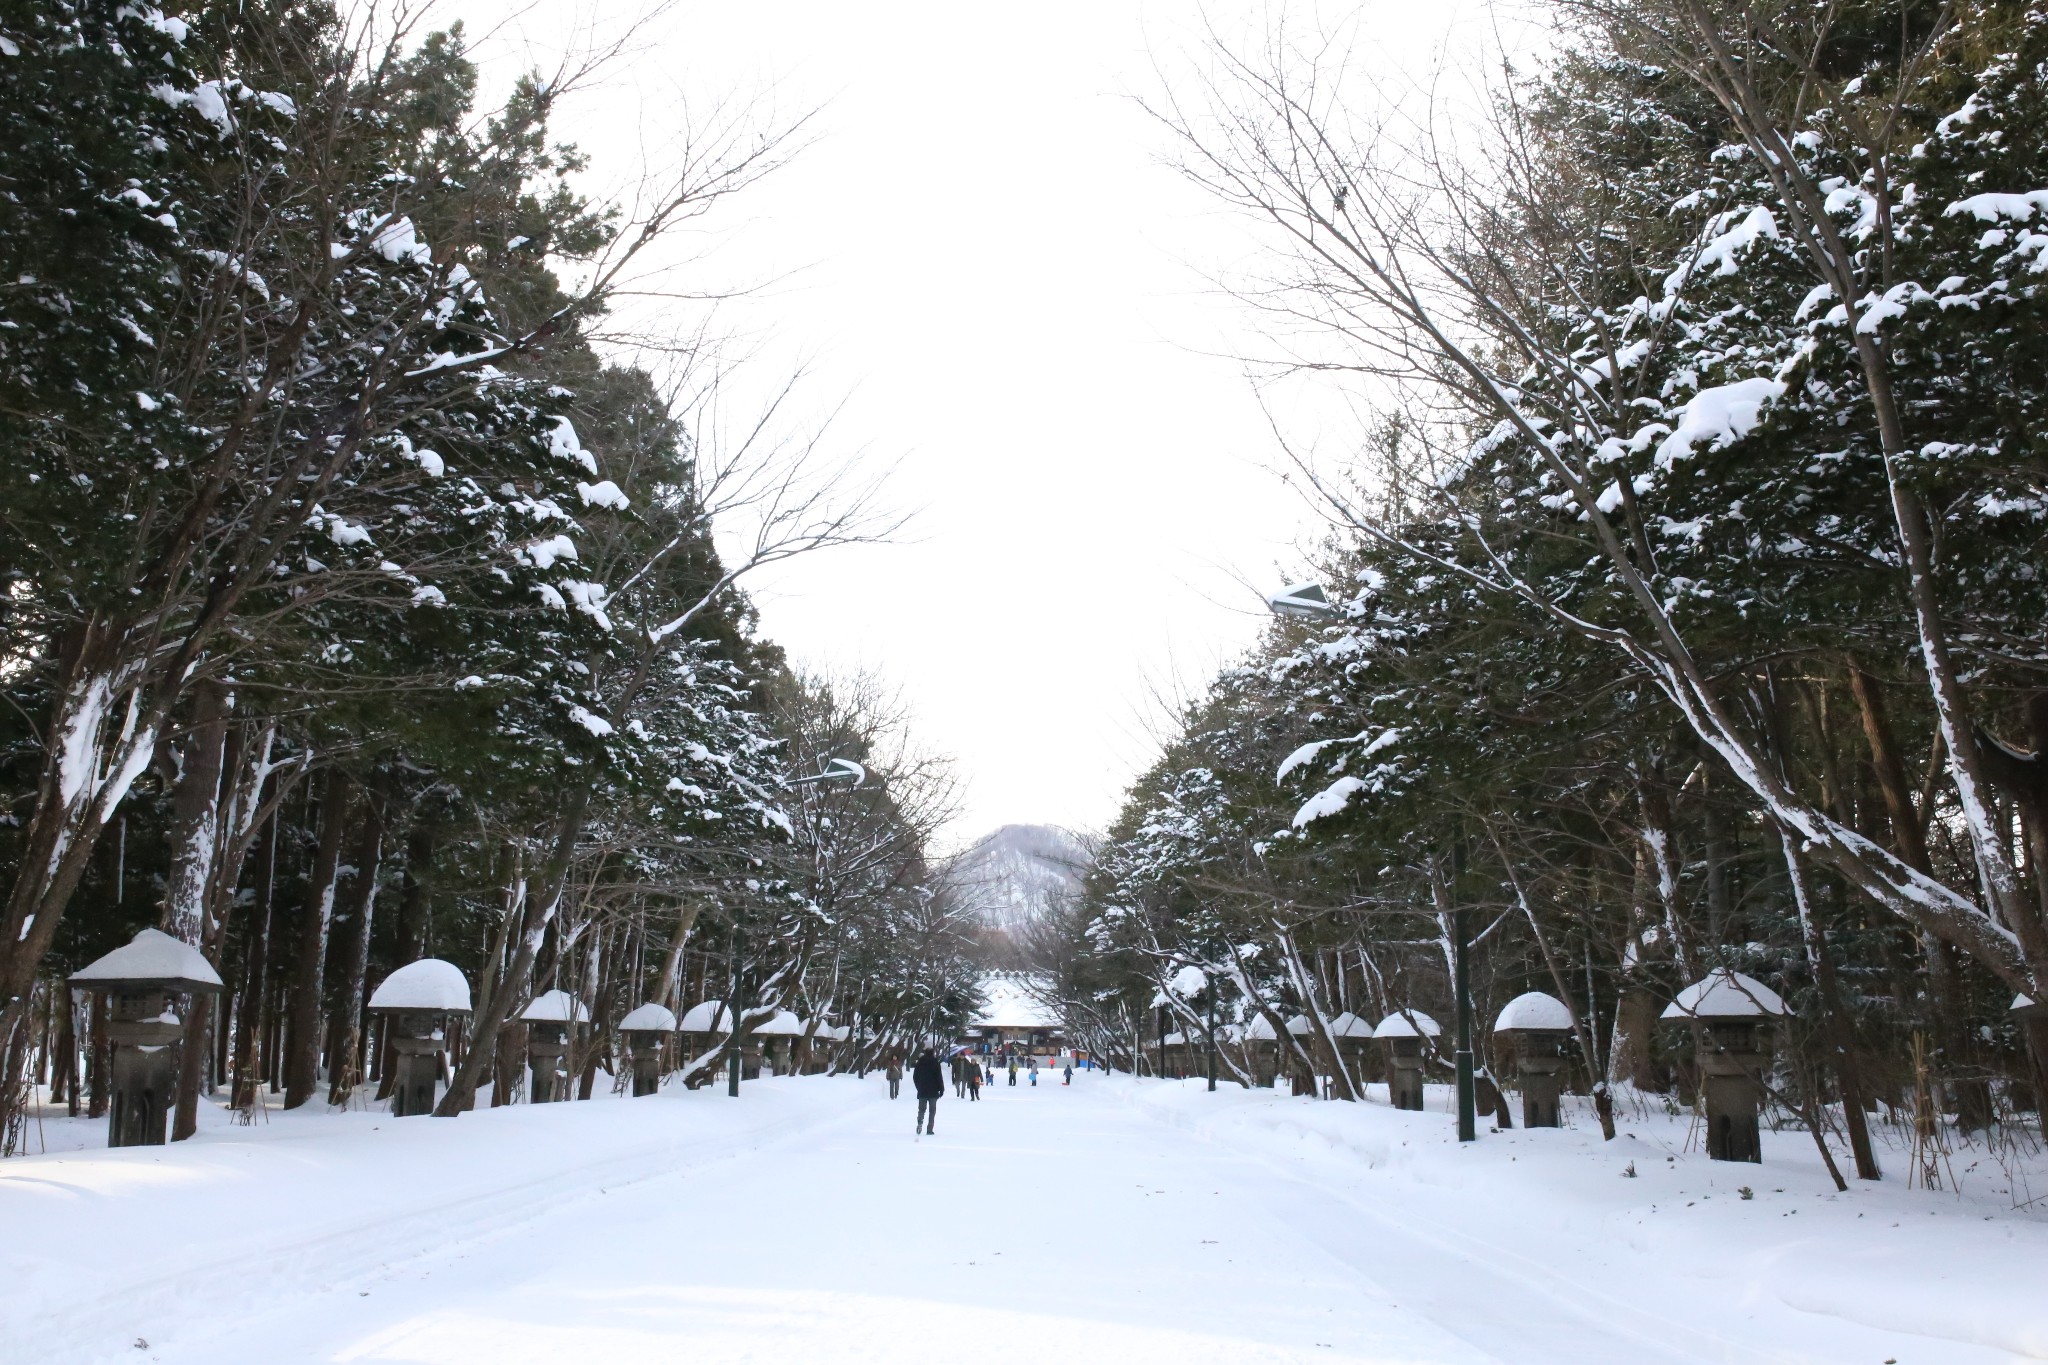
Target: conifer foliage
point(357, 608)
point(1689, 579)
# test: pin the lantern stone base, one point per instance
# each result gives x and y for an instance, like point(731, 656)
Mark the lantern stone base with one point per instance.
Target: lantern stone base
point(1733, 1102)
point(547, 1057)
point(145, 1035)
point(417, 1064)
point(1540, 1092)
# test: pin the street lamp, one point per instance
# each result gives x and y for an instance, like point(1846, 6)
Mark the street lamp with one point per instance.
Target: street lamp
point(1308, 601)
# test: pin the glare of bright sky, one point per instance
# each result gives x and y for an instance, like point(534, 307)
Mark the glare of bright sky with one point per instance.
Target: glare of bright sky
point(985, 256)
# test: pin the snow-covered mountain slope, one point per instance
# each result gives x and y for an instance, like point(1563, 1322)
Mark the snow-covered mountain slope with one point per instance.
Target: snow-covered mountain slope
point(1018, 873)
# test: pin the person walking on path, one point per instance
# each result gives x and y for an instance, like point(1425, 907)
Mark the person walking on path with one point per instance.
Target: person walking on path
point(1034, 1071)
point(959, 1075)
point(1013, 1071)
point(931, 1085)
point(895, 1075)
point(1067, 1074)
point(973, 1079)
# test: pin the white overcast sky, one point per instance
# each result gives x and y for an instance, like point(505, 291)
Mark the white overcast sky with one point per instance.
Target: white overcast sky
point(983, 256)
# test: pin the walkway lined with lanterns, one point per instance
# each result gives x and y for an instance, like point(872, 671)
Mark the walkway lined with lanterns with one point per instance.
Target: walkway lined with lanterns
point(1113, 1220)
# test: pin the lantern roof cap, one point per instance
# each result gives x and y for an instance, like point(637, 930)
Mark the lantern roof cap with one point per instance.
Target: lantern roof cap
point(650, 1018)
point(428, 984)
point(1408, 1024)
point(1726, 994)
point(151, 960)
point(1534, 1012)
point(555, 1007)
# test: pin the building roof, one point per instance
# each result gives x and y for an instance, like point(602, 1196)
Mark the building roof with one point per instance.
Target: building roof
point(1013, 1000)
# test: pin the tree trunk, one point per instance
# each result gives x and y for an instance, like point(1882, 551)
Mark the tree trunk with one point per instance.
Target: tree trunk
point(302, 1040)
point(357, 904)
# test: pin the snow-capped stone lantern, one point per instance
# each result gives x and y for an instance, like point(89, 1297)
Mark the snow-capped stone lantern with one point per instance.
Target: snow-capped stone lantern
point(419, 1002)
point(647, 1031)
point(778, 1037)
point(549, 1020)
point(1537, 1023)
point(1353, 1035)
point(704, 1026)
point(144, 981)
point(1401, 1034)
point(1734, 1010)
point(2024, 1008)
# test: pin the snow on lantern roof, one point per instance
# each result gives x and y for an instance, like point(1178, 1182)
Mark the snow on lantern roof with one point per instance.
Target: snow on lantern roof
point(1011, 1000)
point(151, 960)
point(650, 1018)
point(1189, 980)
point(2025, 1008)
point(428, 984)
point(1726, 994)
point(1349, 1025)
point(1412, 1024)
point(1298, 1026)
point(1259, 1030)
point(706, 1016)
point(833, 1033)
point(1534, 1012)
point(556, 1007)
point(782, 1024)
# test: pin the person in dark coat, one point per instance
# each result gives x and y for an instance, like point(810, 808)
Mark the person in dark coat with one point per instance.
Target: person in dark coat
point(931, 1084)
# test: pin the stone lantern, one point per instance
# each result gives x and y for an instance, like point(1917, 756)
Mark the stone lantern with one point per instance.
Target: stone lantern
point(646, 1030)
point(419, 1002)
point(1733, 1012)
point(1401, 1034)
point(144, 981)
point(1538, 1024)
point(778, 1041)
point(549, 1020)
point(1353, 1037)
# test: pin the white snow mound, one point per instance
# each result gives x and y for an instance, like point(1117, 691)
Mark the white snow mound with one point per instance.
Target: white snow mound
point(650, 1018)
point(429, 984)
point(556, 1007)
point(1349, 1025)
point(152, 957)
point(1534, 1012)
point(1726, 994)
point(706, 1016)
point(1413, 1024)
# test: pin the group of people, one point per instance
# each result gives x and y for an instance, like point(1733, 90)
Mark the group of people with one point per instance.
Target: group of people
point(929, 1081)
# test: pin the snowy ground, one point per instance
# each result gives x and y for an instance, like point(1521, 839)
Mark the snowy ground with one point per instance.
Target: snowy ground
point(1114, 1221)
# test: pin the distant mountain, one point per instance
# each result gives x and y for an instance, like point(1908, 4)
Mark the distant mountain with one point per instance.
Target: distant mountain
point(1018, 873)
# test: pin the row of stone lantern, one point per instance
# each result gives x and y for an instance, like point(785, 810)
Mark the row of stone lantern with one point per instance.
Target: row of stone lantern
point(1730, 1011)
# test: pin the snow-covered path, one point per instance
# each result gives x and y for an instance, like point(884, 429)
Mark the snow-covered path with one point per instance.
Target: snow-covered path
point(1109, 1222)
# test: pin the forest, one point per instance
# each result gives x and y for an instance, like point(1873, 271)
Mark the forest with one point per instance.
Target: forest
point(1685, 579)
point(362, 602)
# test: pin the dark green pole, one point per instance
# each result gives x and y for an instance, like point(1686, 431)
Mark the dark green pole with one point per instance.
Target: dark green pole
point(1461, 945)
point(732, 1009)
point(1212, 1036)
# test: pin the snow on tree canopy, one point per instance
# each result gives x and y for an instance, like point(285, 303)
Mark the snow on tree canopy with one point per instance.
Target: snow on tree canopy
point(1349, 1025)
point(1726, 994)
point(1722, 416)
point(649, 1018)
point(706, 1016)
point(1189, 980)
point(1413, 1024)
point(429, 984)
point(151, 959)
point(1534, 1012)
point(555, 1007)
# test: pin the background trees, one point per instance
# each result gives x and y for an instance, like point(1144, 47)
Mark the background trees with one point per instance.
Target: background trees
point(1687, 576)
point(358, 606)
